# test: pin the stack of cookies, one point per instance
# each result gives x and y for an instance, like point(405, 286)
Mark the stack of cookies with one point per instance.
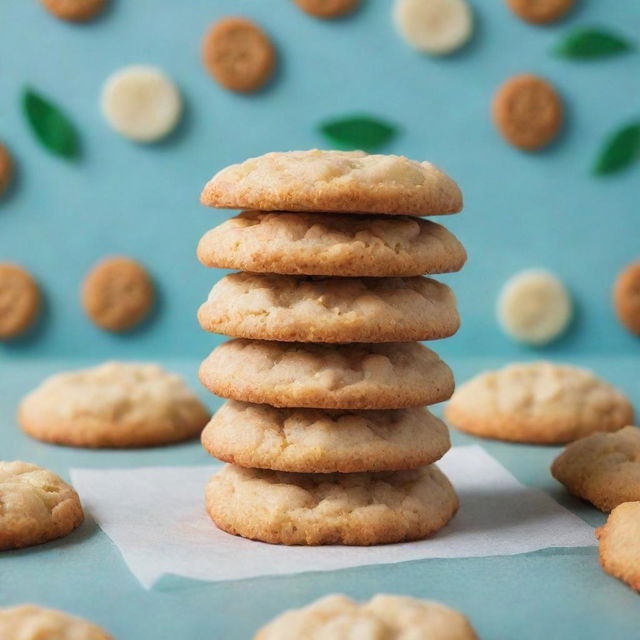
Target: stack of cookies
point(326, 430)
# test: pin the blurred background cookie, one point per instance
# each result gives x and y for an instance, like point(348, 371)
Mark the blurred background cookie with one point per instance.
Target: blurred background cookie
point(20, 301)
point(540, 11)
point(626, 297)
point(6, 169)
point(75, 10)
point(327, 9)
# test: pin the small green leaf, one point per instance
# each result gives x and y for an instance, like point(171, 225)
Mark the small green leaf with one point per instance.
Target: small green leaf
point(591, 43)
point(358, 132)
point(50, 126)
point(620, 150)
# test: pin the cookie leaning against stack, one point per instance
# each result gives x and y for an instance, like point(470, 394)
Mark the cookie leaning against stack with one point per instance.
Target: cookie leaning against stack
point(325, 428)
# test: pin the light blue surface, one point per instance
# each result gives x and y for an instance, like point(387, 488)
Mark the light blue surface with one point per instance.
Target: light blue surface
point(521, 210)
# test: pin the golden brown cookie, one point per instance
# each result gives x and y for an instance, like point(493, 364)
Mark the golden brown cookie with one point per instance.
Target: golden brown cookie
point(527, 112)
point(74, 10)
point(626, 297)
point(620, 544)
point(321, 441)
point(117, 294)
point(344, 376)
point(36, 506)
point(6, 169)
point(342, 508)
point(20, 301)
point(540, 11)
point(238, 54)
point(327, 9)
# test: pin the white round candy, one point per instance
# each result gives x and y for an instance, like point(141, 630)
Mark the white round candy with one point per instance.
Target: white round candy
point(437, 27)
point(534, 307)
point(141, 103)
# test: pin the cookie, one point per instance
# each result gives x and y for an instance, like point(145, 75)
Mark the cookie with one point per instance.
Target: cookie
point(299, 309)
point(238, 54)
point(349, 376)
point(539, 403)
point(116, 404)
point(320, 441)
point(620, 544)
point(117, 294)
point(37, 506)
point(327, 9)
point(6, 169)
point(20, 301)
point(626, 298)
point(527, 112)
point(331, 244)
point(141, 103)
point(540, 11)
point(334, 182)
point(436, 27)
point(384, 616)
point(74, 10)
point(30, 622)
point(603, 468)
point(315, 509)
point(534, 307)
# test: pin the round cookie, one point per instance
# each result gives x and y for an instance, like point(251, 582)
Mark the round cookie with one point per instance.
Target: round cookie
point(384, 616)
point(540, 11)
point(620, 544)
point(320, 441)
point(116, 404)
point(539, 403)
point(37, 506)
point(603, 468)
point(295, 309)
point(626, 298)
point(20, 301)
point(327, 9)
point(6, 169)
point(315, 509)
point(334, 182)
point(238, 54)
point(528, 112)
point(117, 294)
point(30, 622)
point(74, 10)
point(331, 244)
point(350, 376)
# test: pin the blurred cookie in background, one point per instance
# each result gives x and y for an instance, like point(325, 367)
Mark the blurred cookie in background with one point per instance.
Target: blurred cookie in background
point(117, 294)
point(528, 112)
point(540, 11)
point(238, 54)
point(626, 297)
point(327, 9)
point(74, 10)
point(20, 301)
point(6, 169)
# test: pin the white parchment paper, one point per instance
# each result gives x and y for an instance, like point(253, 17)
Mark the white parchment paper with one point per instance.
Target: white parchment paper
point(156, 517)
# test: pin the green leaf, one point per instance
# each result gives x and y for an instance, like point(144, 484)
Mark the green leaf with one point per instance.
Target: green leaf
point(620, 150)
point(591, 43)
point(358, 132)
point(50, 126)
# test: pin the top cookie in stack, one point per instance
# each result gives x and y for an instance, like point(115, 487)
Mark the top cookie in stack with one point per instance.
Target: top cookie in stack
point(332, 256)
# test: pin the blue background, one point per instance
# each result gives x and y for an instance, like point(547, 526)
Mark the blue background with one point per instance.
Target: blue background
point(522, 210)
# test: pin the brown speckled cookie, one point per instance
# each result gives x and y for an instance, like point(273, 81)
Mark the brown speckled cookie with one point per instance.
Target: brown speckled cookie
point(603, 468)
point(527, 112)
point(238, 54)
point(117, 294)
point(321, 441)
point(540, 11)
point(620, 544)
point(6, 169)
point(299, 309)
point(316, 509)
point(350, 376)
point(36, 506)
point(331, 244)
point(626, 297)
point(327, 9)
point(334, 182)
point(74, 10)
point(20, 301)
